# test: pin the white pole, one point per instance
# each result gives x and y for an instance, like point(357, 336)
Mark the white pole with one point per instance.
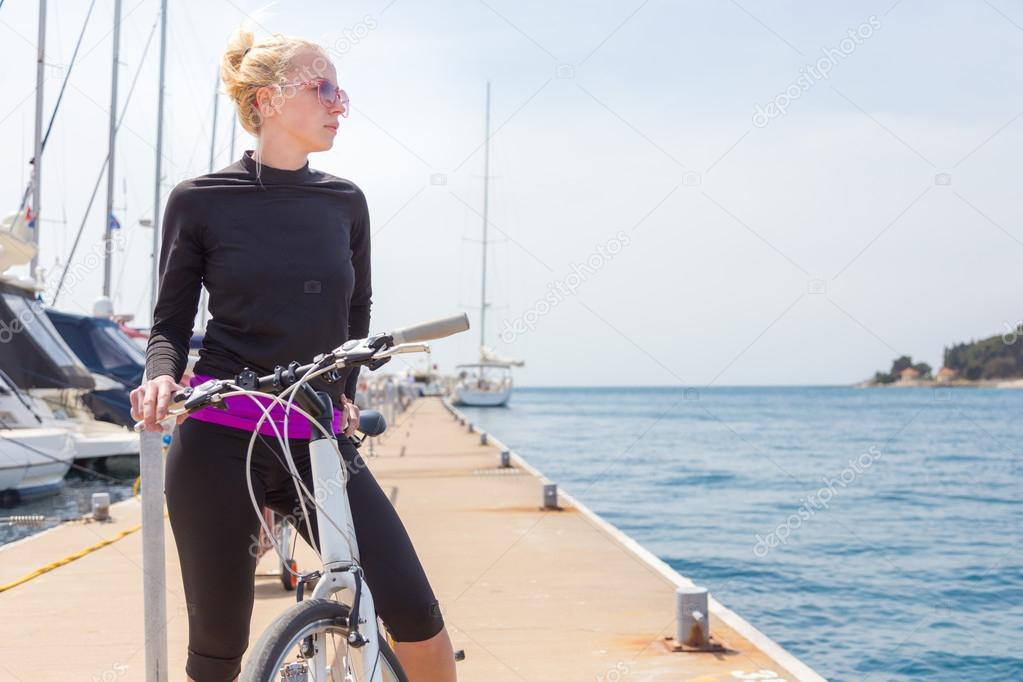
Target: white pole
point(154, 583)
point(154, 569)
point(37, 160)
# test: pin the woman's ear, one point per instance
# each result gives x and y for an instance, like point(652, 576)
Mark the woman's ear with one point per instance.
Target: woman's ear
point(264, 102)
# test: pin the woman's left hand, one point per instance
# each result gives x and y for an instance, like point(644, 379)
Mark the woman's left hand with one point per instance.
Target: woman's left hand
point(351, 412)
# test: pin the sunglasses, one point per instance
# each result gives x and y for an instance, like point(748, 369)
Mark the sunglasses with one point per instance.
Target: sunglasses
point(328, 93)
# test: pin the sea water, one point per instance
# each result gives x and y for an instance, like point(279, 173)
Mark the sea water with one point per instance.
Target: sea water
point(877, 534)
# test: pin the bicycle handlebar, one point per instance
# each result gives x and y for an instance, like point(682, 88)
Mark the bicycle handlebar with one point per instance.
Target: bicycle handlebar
point(373, 351)
point(435, 329)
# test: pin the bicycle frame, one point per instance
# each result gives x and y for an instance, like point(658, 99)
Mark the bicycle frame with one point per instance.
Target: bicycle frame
point(340, 569)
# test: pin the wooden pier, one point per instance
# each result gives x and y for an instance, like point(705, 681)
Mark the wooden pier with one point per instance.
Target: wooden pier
point(528, 593)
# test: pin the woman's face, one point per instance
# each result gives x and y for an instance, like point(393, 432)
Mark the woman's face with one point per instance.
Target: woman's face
point(296, 111)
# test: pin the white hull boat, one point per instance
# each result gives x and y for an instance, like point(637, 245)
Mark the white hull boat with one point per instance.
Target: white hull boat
point(476, 397)
point(33, 462)
point(92, 439)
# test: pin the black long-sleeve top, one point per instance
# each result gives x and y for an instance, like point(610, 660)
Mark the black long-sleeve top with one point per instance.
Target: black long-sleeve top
point(285, 259)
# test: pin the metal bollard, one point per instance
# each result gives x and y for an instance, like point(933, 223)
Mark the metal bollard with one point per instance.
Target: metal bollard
point(692, 621)
point(470, 427)
point(101, 506)
point(550, 496)
point(483, 437)
point(505, 459)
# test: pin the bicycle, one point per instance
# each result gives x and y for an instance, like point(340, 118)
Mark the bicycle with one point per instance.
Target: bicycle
point(281, 531)
point(321, 638)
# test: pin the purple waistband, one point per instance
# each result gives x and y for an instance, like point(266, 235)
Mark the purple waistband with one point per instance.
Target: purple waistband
point(243, 413)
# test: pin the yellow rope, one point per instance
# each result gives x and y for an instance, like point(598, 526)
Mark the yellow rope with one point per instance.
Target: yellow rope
point(77, 555)
point(68, 559)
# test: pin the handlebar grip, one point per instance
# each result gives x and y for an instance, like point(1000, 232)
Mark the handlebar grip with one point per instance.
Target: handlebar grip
point(436, 329)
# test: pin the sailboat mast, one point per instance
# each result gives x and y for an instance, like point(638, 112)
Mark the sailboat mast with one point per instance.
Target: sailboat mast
point(111, 138)
point(37, 159)
point(213, 124)
point(486, 187)
point(234, 134)
point(155, 276)
point(203, 298)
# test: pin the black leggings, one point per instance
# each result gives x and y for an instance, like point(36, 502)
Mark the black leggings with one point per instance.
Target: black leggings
point(215, 527)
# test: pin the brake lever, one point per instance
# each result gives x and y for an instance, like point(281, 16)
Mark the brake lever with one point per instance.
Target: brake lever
point(361, 351)
point(199, 396)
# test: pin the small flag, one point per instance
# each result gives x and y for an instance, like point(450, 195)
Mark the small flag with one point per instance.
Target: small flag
point(114, 224)
point(29, 219)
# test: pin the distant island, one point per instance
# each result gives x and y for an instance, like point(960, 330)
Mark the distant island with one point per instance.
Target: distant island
point(995, 361)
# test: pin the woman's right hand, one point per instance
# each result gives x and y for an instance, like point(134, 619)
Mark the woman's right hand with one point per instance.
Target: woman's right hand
point(151, 401)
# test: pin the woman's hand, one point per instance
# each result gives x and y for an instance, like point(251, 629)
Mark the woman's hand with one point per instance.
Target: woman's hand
point(351, 413)
point(150, 402)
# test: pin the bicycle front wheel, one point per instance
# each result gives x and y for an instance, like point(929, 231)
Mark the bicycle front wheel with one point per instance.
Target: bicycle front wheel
point(284, 650)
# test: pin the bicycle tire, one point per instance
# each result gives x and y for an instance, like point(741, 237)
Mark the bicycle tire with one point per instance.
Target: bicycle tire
point(289, 579)
point(284, 633)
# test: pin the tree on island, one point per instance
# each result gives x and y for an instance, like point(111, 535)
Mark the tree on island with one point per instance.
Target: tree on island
point(996, 357)
point(898, 365)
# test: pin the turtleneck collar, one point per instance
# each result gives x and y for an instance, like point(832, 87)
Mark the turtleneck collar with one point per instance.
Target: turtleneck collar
point(272, 174)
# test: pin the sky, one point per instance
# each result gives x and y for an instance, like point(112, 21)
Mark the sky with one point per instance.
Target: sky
point(683, 193)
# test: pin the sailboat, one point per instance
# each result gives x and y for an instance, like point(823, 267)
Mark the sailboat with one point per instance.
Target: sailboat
point(487, 382)
point(44, 425)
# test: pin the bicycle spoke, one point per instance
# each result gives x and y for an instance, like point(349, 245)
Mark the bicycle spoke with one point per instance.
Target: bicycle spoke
point(326, 656)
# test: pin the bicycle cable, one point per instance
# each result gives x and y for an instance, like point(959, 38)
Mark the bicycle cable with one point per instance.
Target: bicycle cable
point(286, 448)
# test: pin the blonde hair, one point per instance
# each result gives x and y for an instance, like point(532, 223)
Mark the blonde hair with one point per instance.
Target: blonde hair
point(247, 66)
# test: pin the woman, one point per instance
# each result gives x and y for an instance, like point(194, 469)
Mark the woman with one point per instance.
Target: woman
point(284, 253)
